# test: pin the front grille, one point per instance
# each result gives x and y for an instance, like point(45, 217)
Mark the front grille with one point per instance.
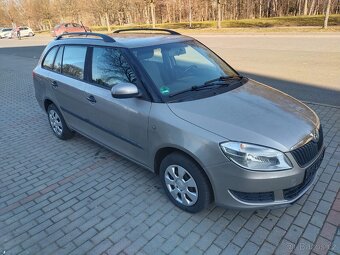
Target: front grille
point(306, 153)
point(254, 197)
point(309, 176)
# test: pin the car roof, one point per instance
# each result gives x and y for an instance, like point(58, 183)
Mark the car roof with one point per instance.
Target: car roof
point(127, 40)
point(135, 40)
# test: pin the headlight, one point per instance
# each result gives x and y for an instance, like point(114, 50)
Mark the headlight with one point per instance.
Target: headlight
point(255, 157)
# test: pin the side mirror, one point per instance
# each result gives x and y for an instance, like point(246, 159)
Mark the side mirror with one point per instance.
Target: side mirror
point(124, 90)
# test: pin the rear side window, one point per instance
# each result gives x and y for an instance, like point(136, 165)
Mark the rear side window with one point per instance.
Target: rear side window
point(110, 67)
point(49, 59)
point(74, 61)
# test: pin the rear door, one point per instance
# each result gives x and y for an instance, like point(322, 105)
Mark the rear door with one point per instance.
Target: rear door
point(121, 124)
point(68, 85)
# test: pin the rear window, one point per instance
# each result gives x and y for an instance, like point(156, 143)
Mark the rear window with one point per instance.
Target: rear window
point(49, 59)
point(74, 61)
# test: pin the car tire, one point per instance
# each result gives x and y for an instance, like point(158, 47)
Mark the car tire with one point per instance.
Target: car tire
point(185, 183)
point(57, 123)
point(30, 34)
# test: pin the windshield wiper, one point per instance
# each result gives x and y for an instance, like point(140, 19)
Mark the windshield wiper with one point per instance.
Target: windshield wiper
point(222, 80)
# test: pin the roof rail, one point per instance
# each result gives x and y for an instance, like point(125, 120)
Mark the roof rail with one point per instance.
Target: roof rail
point(147, 29)
point(105, 38)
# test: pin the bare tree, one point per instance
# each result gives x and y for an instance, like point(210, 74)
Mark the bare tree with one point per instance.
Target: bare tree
point(218, 14)
point(305, 9)
point(190, 14)
point(42, 14)
point(325, 23)
point(153, 13)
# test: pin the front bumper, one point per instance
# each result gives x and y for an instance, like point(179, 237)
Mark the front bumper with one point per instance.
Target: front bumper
point(235, 187)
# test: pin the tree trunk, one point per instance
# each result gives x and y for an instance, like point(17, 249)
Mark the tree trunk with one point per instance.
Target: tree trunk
point(311, 8)
point(325, 23)
point(107, 22)
point(180, 10)
point(218, 14)
point(190, 14)
point(305, 9)
point(299, 2)
point(49, 25)
point(152, 9)
point(260, 9)
point(146, 11)
point(206, 11)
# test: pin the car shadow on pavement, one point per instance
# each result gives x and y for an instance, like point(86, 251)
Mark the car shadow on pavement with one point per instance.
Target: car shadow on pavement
point(301, 91)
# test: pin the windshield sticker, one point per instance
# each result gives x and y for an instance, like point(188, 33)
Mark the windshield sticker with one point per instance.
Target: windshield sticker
point(164, 90)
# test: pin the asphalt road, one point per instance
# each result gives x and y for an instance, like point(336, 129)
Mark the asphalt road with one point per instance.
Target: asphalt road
point(306, 66)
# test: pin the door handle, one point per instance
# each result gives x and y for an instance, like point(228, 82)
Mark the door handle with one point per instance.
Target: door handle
point(54, 84)
point(91, 98)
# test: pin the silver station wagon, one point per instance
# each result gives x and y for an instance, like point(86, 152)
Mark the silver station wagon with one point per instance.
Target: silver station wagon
point(168, 103)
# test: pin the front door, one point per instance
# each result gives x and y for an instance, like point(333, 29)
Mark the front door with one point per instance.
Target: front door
point(121, 124)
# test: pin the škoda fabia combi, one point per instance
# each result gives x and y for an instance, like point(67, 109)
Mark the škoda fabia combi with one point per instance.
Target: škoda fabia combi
point(168, 103)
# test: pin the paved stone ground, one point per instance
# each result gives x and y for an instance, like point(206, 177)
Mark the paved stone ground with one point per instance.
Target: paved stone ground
point(75, 197)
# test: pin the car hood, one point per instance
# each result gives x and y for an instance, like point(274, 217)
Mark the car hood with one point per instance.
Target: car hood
point(253, 113)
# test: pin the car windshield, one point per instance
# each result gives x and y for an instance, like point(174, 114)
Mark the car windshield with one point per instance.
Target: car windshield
point(179, 66)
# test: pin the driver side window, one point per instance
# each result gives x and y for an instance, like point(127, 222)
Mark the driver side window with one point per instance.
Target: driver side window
point(110, 67)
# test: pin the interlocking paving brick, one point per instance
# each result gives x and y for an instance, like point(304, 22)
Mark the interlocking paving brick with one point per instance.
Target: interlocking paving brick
point(259, 236)
point(76, 197)
point(83, 237)
point(285, 247)
point(171, 243)
point(224, 238)
point(237, 223)
point(311, 233)
point(253, 223)
point(318, 219)
point(249, 248)
point(276, 235)
point(206, 240)
point(241, 237)
point(285, 221)
point(101, 247)
point(153, 245)
point(213, 249)
point(303, 247)
point(294, 233)
point(231, 249)
point(189, 241)
point(266, 249)
point(302, 219)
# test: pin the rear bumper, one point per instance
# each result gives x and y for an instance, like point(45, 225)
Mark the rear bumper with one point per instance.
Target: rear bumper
point(235, 187)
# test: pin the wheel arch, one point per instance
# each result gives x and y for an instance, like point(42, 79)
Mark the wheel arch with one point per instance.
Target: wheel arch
point(163, 152)
point(47, 103)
